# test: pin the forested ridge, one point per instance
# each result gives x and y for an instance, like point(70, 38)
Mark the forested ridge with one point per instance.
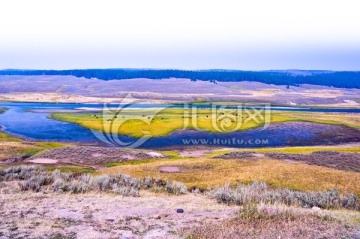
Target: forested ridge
point(341, 79)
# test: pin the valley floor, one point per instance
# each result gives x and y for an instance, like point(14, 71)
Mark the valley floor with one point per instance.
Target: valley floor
point(158, 214)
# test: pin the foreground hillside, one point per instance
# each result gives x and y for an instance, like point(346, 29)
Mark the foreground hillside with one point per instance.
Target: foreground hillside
point(82, 202)
point(154, 215)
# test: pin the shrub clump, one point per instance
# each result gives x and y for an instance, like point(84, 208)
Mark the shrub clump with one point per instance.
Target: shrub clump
point(260, 193)
point(35, 182)
point(18, 172)
point(37, 179)
point(176, 187)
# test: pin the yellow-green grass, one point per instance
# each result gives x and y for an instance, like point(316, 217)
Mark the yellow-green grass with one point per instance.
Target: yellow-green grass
point(346, 119)
point(70, 168)
point(7, 138)
point(171, 153)
point(204, 173)
point(135, 123)
point(132, 122)
point(13, 147)
point(49, 145)
point(305, 150)
point(289, 150)
point(62, 168)
point(142, 161)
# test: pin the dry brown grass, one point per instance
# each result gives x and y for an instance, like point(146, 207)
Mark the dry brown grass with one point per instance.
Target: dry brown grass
point(213, 172)
point(10, 150)
point(309, 227)
point(11, 147)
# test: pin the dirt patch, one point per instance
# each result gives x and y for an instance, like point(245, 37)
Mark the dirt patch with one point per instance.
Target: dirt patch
point(43, 161)
point(176, 169)
point(258, 155)
point(331, 159)
point(166, 169)
point(194, 153)
point(93, 215)
point(87, 155)
point(155, 155)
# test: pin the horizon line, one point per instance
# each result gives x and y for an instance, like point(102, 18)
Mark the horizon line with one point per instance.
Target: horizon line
point(178, 69)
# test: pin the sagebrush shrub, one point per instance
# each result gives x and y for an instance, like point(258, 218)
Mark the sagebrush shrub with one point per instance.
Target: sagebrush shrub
point(78, 187)
point(126, 191)
point(36, 179)
point(147, 182)
point(102, 182)
point(35, 182)
point(260, 193)
point(176, 187)
point(60, 185)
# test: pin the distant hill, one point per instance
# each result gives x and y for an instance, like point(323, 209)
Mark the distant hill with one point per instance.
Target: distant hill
point(340, 79)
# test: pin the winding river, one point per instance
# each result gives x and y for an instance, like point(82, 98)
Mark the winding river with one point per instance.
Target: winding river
point(21, 120)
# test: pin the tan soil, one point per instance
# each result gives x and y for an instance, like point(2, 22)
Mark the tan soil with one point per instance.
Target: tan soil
point(94, 156)
point(92, 215)
point(166, 169)
point(43, 161)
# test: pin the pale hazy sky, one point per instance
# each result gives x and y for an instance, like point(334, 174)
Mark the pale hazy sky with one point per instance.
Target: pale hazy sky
point(196, 34)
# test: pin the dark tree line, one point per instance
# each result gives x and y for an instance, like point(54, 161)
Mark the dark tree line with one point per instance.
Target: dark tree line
point(340, 79)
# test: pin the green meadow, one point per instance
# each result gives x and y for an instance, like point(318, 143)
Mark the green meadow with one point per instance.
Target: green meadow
point(137, 123)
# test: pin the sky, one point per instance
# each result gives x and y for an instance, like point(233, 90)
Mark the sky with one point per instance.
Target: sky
point(196, 34)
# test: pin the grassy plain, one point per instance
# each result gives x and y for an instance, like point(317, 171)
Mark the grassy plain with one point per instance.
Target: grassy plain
point(11, 147)
point(205, 172)
point(292, 150)
point(137, 123)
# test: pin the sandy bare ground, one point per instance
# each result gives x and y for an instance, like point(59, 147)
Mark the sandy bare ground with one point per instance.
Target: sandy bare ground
point(43, 161)
point(81, 90)
point(67, 98)
point(91, 156)
point(102, 215)
point(37, 215)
